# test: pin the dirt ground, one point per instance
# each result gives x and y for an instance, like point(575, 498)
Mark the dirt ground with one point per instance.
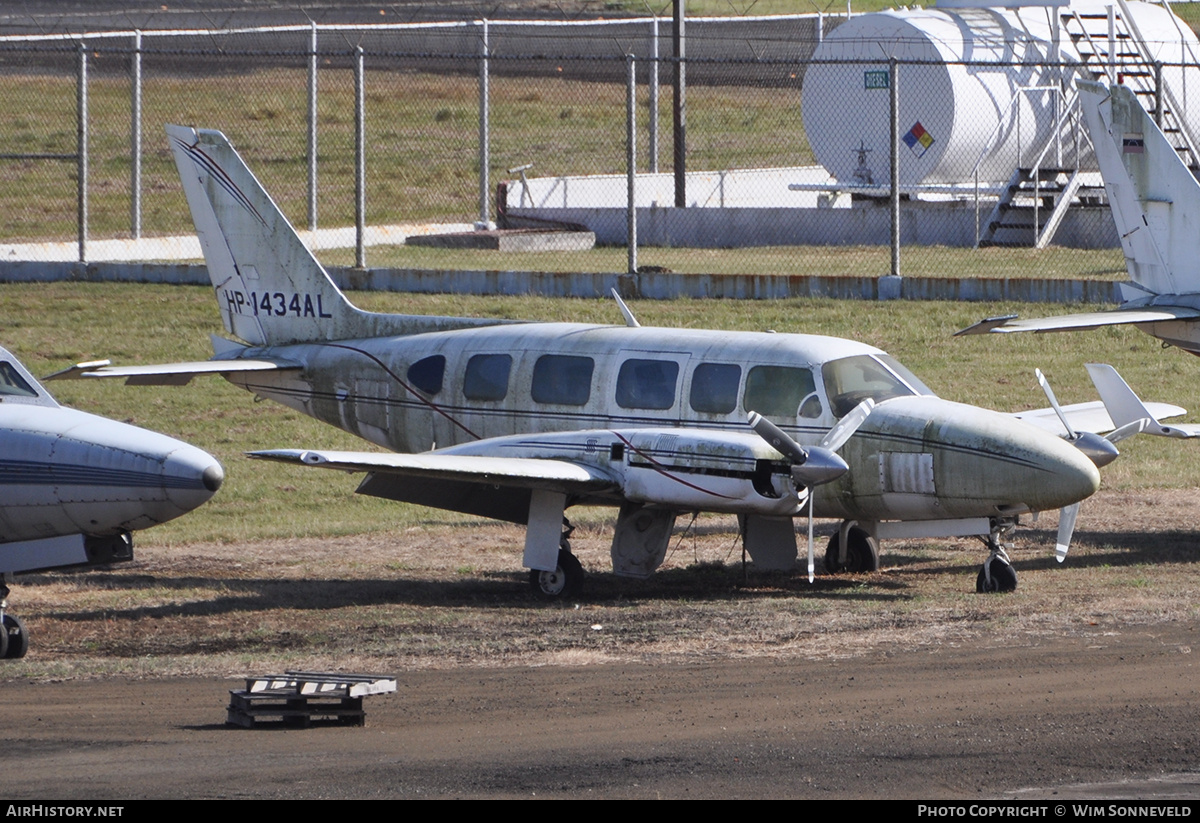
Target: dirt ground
point(898, 684)
point(1028, 722)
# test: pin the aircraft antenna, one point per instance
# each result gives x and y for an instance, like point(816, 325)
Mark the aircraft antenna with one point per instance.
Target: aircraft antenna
point(630, 320)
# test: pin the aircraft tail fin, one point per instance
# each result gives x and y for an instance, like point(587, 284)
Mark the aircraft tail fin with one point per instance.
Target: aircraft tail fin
point(1154, 198)
point(270, 287)
point(1127, 409)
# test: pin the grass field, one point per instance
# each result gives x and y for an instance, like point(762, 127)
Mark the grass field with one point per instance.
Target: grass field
point(836, 261)
point(53, 325)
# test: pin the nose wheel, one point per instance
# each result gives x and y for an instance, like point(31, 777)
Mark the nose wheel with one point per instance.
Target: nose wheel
point(14, 637)
point(997, 573)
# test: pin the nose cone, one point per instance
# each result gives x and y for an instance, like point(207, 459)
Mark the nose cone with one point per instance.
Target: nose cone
point(190, 476)
point(982, 463)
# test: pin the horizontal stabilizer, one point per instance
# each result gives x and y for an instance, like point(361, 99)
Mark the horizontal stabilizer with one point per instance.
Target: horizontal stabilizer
point(169, 374)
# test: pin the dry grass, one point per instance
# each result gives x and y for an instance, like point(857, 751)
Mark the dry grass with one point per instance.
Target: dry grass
point(454, 596)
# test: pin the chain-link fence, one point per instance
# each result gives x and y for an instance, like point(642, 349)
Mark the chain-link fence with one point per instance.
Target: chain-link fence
point(787, 165)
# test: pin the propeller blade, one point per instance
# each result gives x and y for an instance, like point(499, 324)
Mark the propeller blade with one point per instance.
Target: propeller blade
point(822, 466)
point(1128, 430)
point(848, 425)
point(811, 564)
point(1049, 392)
point(1066, 527)
point(778, 439)
point(1100, 450)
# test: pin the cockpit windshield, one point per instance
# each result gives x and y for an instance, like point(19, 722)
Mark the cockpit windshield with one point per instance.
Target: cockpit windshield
point(851, 380)
point(12, 384)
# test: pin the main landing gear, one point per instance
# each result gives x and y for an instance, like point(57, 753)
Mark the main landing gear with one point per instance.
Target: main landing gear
point(567, 579)
point(861, 553)
point(14, 637)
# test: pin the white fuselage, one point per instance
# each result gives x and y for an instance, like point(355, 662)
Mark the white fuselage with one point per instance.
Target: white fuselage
point(67, 477)
point(584, 388)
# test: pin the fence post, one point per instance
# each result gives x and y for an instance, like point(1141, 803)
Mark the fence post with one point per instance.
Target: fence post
point(654, 95)
point(895, 173)
point(312, 129)
point(135, 142)
point(1158, 106)
point(631, 161)
point(484, 141)
point(81, 157)
point(360, 162)
point(680, 113)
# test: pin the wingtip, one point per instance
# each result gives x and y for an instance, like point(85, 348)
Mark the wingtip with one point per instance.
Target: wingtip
point(986, 325)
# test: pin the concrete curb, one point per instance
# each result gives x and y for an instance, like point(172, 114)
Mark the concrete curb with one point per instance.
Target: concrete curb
point(647, 285)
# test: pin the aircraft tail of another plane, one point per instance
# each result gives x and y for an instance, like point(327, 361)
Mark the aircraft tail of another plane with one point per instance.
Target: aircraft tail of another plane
point(270, 287)
point(1155, 200)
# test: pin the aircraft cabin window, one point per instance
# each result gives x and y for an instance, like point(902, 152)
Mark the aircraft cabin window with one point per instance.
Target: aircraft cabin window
point(487, 377)
point(715, 388)
point(851, 380)
point(647, 384)
point(562, 379)
point(12, 383)
point(427, 374)
point(777, 391)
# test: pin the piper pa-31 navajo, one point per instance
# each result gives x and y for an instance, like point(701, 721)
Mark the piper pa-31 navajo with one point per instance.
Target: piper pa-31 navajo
point(520, 420)
point(73, 486)
point(1155, 203)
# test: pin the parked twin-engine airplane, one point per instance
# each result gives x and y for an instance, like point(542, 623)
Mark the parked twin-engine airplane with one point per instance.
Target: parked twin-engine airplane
point(73, 486)
point(518, 421)
point(1155, 202)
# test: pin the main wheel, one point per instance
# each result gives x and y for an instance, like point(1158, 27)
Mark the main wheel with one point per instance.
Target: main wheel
point(862, 552)
point(996, 575)
point(565, 581)
point(17, 635)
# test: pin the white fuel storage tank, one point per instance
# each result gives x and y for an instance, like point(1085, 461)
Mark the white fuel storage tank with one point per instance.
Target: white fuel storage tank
point(978, 86)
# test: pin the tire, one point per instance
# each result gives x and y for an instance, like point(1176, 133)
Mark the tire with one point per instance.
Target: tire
point(4, 639)
point(564, 582)
point(17, 636)
point(1003, 576)
point(862, 553)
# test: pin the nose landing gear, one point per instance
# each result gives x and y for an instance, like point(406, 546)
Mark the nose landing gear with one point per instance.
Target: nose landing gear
point(997, 573)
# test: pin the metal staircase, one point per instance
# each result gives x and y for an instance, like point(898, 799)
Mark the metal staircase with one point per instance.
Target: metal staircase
point(1113, 49)
point(1031, 208)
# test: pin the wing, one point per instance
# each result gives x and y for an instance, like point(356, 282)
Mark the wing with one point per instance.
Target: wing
point(1089, 417)
point(1011, 324)
point(497, 487)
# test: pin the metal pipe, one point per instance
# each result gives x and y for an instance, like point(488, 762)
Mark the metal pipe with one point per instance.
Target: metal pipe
point(135, 139)
point(81, 137)
point(631, 161)
point(484, 222)
point(360, 162)
point(894, 82)
point(312, 129)
point(680, 106)
point(654, 95)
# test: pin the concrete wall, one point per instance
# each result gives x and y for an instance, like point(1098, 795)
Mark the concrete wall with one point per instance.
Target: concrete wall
point(649, 285)
point(921, 223)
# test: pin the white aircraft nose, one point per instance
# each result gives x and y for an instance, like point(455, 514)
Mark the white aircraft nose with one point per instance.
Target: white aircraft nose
point(191, 477)
point(981, 463)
